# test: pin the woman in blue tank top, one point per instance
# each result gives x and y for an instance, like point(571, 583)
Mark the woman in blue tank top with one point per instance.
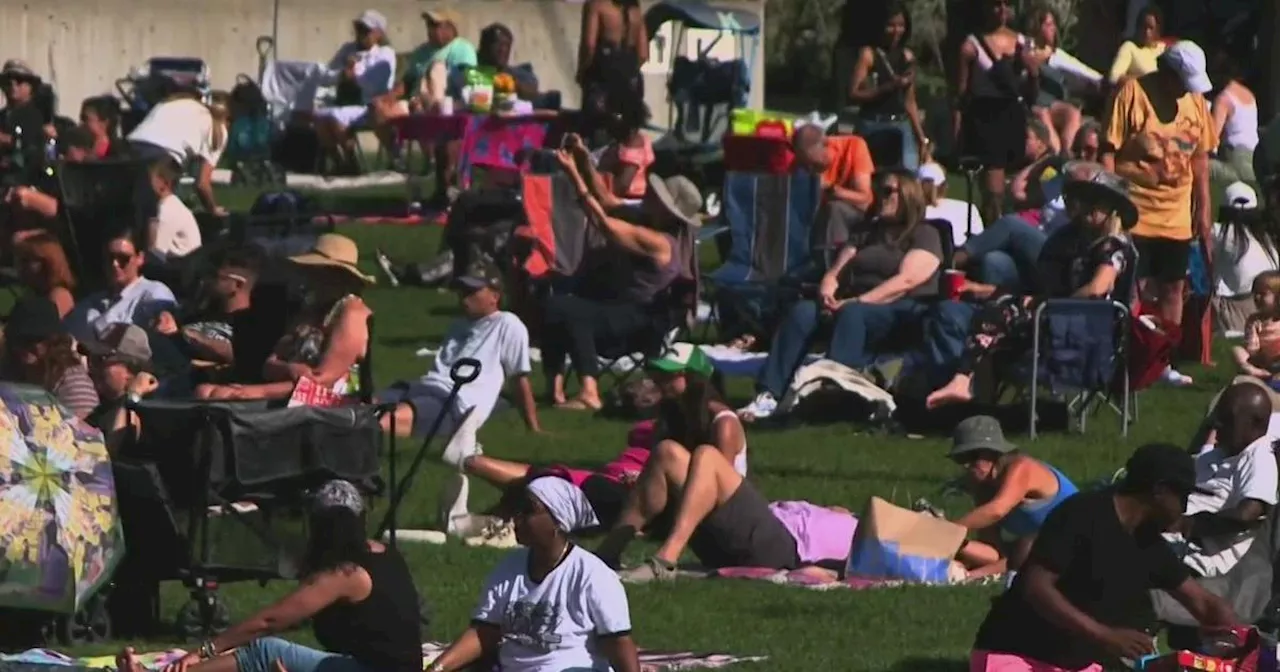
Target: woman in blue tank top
point(1012, 494)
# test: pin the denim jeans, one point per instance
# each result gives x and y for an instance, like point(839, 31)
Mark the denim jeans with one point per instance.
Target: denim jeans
point(946, 329)
point(261, 655)
point(857, 330)
point(902, 127)
point(1006, 251)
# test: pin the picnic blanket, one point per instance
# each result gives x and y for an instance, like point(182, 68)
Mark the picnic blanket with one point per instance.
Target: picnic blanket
point(650, 661)
point(819, 580)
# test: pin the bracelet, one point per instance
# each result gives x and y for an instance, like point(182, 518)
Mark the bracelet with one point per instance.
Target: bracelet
point(207, 650)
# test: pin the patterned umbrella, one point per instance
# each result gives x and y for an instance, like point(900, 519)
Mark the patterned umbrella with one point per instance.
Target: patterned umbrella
point(60, 537)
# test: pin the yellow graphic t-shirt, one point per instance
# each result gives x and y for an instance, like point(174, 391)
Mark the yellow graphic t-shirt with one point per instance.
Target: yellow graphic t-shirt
point(1164, 205)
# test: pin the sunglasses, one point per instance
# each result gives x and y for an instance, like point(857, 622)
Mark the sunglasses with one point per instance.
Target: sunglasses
point(120, 258)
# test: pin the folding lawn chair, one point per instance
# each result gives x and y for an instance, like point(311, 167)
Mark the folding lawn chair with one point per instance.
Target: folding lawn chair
point(770, 219)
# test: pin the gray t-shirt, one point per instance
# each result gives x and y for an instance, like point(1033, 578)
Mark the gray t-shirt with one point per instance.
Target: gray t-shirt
point(879, 259)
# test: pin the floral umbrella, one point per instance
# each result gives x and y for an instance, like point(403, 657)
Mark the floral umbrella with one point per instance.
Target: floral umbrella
point(60, 537)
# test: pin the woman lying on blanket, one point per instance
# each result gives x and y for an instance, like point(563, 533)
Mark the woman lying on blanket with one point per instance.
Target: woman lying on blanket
point(1012, 494)
point(691, 414)
point(1082, 260)
point(329, 340)
point(551, 605)
point(357, 593)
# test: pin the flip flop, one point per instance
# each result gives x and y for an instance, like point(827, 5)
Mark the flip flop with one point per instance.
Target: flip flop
point(576, 405)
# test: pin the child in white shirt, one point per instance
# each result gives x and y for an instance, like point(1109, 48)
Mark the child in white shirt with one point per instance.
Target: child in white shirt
point(174, 232)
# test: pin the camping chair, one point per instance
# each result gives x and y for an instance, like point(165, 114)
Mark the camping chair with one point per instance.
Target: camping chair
point(99, 198)
point(771, 220)
point(1092, 368)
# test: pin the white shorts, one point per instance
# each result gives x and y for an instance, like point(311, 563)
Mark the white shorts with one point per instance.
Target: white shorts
point(346, 116)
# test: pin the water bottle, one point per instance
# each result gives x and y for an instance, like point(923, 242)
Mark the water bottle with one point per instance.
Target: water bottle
point(19, 158)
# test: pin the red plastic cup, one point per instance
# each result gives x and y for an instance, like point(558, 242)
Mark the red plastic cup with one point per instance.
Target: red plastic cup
point(953, 283)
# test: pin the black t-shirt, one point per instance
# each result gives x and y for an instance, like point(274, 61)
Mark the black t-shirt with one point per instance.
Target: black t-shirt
point(1072, 255)
point(1103, 570)
point(31, 120)
point(879, 259)
point(384, 631)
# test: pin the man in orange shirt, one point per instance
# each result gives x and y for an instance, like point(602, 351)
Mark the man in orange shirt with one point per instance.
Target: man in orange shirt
point(846, 167)
point(1158, 135)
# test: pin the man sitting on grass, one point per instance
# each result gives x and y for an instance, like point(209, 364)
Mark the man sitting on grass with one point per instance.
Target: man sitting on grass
point(1082, 599)
point(498, 340)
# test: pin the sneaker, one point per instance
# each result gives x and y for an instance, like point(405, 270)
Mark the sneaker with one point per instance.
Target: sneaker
point(388, 268)
point(463, 442)
point(1172, 376)
point(761, 407)
point(452, 504)
point(497, 534)
point(653, 569)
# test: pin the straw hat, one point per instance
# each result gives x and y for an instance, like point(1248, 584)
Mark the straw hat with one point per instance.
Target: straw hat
point(1090, 181)
point(335, 251)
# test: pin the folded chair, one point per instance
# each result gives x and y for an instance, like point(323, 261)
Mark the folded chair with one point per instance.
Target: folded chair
point(770, 220)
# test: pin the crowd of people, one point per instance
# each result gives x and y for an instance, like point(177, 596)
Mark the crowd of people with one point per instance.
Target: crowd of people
point(1106, 208)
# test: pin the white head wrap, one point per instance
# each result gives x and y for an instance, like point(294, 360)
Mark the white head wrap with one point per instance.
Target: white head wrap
point(566, 503)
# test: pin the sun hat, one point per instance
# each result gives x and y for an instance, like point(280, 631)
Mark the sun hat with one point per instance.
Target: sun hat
point(32, 320)
point(338, 494)
point(1240, 195)
point(1091, 181)
point(683, 358)
point(1162, 464)
point(979, 432)
point(933, 172)
point(16, 68)
point(122, 343)
point(680, 196)
point(1186, 59)
point(334, 250)
point(372, 19)
point(442, 16)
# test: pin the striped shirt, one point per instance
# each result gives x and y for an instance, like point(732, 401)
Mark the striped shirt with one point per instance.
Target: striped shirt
point(76, 391)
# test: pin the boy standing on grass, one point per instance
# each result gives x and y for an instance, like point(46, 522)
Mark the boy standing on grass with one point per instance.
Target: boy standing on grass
point(1082, 596)
point(174, 232)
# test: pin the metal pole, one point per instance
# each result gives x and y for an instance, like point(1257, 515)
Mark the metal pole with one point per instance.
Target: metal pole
point(275, 24)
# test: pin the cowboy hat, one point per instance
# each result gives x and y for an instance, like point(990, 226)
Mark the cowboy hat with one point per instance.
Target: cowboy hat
point(334, 250)
point(679, 196)
point(1090, 181)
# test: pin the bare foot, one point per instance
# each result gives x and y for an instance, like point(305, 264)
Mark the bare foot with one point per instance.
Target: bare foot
point(954, 392)
point(126, 661)
point(580, 404)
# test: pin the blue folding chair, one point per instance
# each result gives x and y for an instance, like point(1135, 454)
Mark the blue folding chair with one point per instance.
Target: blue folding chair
point(770, 219)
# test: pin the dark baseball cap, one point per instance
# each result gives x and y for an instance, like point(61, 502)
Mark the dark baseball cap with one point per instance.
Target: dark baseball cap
point(479, 277)
point(32, 320)
point(1162, 464)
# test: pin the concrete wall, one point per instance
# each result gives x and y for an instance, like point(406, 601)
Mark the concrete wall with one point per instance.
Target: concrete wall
point(84, 46)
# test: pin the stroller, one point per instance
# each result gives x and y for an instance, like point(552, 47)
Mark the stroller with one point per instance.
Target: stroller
point(250, 138)
point(704, 88)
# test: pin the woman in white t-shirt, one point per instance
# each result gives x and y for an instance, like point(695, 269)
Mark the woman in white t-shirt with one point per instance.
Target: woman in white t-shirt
point(363, 70)
point(1242, 248)
point(1235, 116)
point(185, 128)
point(549, 606)
point(965, 218)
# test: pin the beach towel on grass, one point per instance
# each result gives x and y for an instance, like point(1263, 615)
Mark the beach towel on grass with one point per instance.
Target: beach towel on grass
point(803, 578)
point(650, 661)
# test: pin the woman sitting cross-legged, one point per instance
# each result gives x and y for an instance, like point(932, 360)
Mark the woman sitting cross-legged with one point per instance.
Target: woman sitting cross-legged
point(872, 291)
point(551, 605)
point(1083, 259)
point(1012, 495)
point(357, 593)
point(618, 299)
point(330, 338)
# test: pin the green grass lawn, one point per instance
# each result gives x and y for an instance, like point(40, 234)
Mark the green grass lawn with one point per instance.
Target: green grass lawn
point(908, 628)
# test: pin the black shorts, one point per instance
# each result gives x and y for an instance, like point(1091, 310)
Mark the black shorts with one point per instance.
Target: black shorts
point(743, 532)
point(607, 497)
point(995, 132)
point(1162, 259)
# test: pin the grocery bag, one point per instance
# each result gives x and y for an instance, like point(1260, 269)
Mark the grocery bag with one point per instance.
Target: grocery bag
point(896, 543)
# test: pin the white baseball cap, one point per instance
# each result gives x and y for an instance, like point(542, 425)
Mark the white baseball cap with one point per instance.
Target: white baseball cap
point(1241, 195)
point(374, 20)
point(932, 172)
point(1187, 59)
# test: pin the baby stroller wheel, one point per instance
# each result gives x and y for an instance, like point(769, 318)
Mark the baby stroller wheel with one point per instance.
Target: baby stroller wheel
point(90, 625)
point(203, 616)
